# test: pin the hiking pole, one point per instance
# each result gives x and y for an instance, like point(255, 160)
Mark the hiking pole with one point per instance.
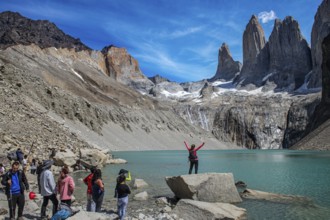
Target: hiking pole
point(11, 202)
point(31, 147)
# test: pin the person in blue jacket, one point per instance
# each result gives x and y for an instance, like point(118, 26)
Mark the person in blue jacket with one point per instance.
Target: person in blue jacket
point(15, 182)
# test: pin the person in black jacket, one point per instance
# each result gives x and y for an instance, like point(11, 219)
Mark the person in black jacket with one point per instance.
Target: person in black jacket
point(122, 196)
point(15, 182)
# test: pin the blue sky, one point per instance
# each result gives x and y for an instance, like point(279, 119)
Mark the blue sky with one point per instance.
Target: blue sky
point(177, 39)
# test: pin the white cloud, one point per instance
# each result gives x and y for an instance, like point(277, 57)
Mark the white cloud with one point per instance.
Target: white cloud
point(265, 16)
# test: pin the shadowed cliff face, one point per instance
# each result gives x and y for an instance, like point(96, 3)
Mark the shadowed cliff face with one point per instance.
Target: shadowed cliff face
point(326, 71)
point(16, 29)
point(320, 30)
point(317, 133)
point(280, 64)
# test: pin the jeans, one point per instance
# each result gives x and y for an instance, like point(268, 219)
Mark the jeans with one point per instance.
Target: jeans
point(98, 202)
point(122, 205)
point(90, 203)
point(45, 203)
point(192, 164)
point(13, 200)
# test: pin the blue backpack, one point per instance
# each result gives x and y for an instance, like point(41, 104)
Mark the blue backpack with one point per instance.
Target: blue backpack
point(64, 212)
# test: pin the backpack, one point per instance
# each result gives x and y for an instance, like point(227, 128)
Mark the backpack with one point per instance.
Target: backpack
point(191, 156)
point(64, 212)
point(12, 155)
point(61, 214)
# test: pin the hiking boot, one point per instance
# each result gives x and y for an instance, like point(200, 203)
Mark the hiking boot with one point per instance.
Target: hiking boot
point(20, 218)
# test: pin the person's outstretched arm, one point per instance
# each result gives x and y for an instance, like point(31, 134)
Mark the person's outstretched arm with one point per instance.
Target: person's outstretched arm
point(200, 146)
point(186, 145)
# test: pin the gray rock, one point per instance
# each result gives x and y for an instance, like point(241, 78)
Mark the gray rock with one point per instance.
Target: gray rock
point(253, 43)
point(227, 67)
point(142, 196)
point(320, 30)
point(158, 79)
point(190, 209)
point(273, 197)
point(208, 187)
point(94, 156)
point(139, 183)
point(289, 55)
point(65, 157)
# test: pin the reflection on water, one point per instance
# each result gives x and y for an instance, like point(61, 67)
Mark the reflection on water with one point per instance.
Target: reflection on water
point(305, 173)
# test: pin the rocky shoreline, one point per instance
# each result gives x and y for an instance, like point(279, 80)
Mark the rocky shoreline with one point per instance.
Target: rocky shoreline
point(202, 196)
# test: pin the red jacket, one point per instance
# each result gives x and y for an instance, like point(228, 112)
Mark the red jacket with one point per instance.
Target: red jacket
point(88, 182)
point(195, 150)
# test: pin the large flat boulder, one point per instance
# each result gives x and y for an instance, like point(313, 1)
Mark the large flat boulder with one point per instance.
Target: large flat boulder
point(191, 209)
point(274, 197)
point(208, 187)
point(65, 158)
point(94, 156)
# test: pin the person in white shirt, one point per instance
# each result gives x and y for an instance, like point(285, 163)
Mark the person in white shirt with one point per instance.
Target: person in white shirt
point(48, 186)
point(25, 163)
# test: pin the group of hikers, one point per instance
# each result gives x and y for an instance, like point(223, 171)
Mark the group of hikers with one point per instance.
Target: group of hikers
point(16, 183)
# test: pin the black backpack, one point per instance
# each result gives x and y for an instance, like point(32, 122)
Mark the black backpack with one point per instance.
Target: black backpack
point(191, 156)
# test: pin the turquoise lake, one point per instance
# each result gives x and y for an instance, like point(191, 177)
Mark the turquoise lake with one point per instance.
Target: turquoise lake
point(303, 173)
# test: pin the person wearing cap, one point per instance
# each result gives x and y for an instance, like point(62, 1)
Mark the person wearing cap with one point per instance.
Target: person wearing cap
point(122, 190)
point(48, 186)
point(122, 173)
point(65, 186)
point(15, 182)
point(88, 181)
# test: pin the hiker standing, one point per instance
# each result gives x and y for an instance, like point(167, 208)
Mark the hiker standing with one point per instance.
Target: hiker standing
point(65, 186)
point(33, 166)
point(20, 155)
point(25, 163)
point(38, 172)
point(2, 170)
point(193, 156)
point(47, 185)
point(15, 182)
point(97, 190)
point(88, 181)
point(122, 190)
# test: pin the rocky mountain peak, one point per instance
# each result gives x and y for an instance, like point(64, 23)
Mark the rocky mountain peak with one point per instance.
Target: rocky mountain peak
point(124, 68)
point(158, 79)
point(16, 29)
point(120, 64)
point(289, 54)
point(253, 42)
point(227, 67)
point(320, 30)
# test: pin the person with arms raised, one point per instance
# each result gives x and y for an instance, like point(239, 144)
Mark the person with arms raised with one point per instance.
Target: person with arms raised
point(193, 158)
